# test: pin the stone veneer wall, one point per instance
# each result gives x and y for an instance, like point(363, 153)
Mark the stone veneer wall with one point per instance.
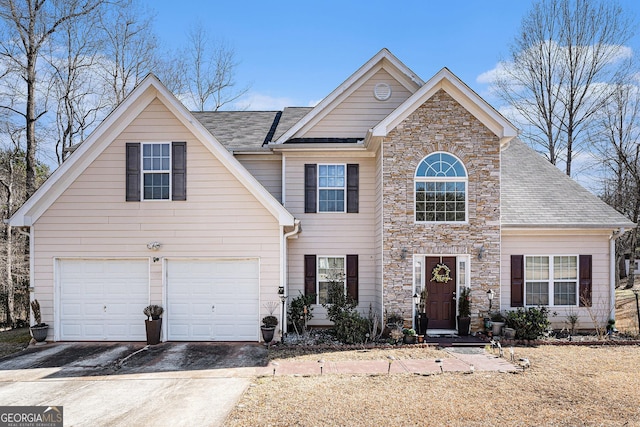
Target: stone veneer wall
point(440, 124)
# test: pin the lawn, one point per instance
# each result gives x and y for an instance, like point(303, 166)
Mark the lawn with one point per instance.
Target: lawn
point(565, 386)
point(596, 385)
point(13, 341)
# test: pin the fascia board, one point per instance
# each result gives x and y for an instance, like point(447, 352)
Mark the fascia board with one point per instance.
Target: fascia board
point(84, 155)
point(446, 80)
point(569, 228)
point(347, 87)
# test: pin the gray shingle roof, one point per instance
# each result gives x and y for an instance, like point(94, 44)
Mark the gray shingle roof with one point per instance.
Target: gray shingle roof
point(249, 130)
point(536, 193)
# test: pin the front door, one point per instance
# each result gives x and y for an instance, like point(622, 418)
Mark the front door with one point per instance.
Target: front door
point(440, 281)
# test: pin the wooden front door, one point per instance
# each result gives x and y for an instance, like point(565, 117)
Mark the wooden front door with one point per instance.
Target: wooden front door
point(441, 307)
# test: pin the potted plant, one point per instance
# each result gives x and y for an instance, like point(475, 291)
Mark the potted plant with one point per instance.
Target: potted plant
point(464, 311)
point(153, 323)
point(268, 327)
point(395, 320)
point(409, 336)
point(497, 322)
point(40, 330)
point(423, 320)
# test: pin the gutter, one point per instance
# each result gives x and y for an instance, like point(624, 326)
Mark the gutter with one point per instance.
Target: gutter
point(284, 268)
point(612, 271)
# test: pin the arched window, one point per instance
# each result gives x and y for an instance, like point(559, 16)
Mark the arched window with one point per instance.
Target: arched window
point(441, 189)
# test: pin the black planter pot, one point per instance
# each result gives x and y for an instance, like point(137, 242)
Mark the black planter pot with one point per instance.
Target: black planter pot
point(39, 333)
point(423, 324)
point(267, 334)
point(154, 328)
point(409, 339)
point(464, 324)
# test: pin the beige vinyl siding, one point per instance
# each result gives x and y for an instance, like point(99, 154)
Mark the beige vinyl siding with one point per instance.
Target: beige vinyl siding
point(91, 219)
point(359, 111)
point(334, 234)
point(267, 169)
point(561, 242)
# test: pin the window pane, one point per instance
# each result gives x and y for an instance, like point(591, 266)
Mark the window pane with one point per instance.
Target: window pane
point(565, 268)
point(330, 270)
point(156, 186)
point(537, 293)
point(537, 268)
point(331, 200)
point(564, 293)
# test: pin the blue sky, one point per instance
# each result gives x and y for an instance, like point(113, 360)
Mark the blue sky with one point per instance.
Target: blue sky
point(296, 53)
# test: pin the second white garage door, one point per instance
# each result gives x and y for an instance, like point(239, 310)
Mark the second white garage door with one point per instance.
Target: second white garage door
point(213, 300)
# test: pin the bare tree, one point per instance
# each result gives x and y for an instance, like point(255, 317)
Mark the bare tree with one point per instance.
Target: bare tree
point(33, 22)
point(561, 61)
point(79, 99)
point(209, 71)
point(129, 49)
point(618, 141)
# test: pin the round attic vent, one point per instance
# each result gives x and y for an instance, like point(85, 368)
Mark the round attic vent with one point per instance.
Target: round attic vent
point(382, 91)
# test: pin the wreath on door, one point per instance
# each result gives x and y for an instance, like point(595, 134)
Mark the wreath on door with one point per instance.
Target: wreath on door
point(440, 273)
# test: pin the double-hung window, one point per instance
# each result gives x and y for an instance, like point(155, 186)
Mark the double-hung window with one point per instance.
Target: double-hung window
point(330, 270)
point(551, 280)
point(156, 171)
point(331, 188)
point(441, 189)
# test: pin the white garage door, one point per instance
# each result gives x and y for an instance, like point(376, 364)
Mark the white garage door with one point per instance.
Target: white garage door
point(213, 300)
point(102, 300)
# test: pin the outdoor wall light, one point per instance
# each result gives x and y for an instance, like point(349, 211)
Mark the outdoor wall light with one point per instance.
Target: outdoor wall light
point(490, 295)
point(154, 246)
point(481, 252)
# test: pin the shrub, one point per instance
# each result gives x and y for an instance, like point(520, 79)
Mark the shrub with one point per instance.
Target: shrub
point(464, 302)
point(153, 311)
point(348, 324)
point(530, 323)
point(297, 316)
point(270, 321)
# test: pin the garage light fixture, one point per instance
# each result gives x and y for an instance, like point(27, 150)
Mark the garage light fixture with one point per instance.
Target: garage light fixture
point(154, 246)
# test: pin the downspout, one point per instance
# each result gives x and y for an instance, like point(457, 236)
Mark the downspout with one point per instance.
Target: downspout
point(612, 271)
point(284, 266)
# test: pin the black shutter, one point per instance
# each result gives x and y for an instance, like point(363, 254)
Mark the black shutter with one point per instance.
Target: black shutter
point(179, 170)
point(310, 181)
point(585, 281)
point(517, 280)
point(132, 172)
point(309, 274)
point(352, 277)
point(352, 188)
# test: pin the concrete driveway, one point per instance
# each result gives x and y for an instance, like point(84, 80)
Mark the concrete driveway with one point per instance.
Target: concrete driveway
point(130, 384)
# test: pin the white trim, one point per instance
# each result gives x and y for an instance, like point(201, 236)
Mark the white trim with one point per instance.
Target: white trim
point(148, 90)
point(459, 91)
point(446, 179)
point(151, 171)
point(344, 273)
point(344, 188)
point(396, 68)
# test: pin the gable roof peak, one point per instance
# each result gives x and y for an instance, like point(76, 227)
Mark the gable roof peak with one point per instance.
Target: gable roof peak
point(383, 59)
point(446, 80)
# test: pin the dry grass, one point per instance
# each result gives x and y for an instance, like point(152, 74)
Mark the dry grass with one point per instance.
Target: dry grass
point(14, 340)
point(565, 386)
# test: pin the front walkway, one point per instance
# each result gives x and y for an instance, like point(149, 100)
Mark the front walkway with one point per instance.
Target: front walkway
point(461, 360)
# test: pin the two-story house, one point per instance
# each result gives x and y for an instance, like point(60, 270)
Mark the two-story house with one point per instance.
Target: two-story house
point(391, 184)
